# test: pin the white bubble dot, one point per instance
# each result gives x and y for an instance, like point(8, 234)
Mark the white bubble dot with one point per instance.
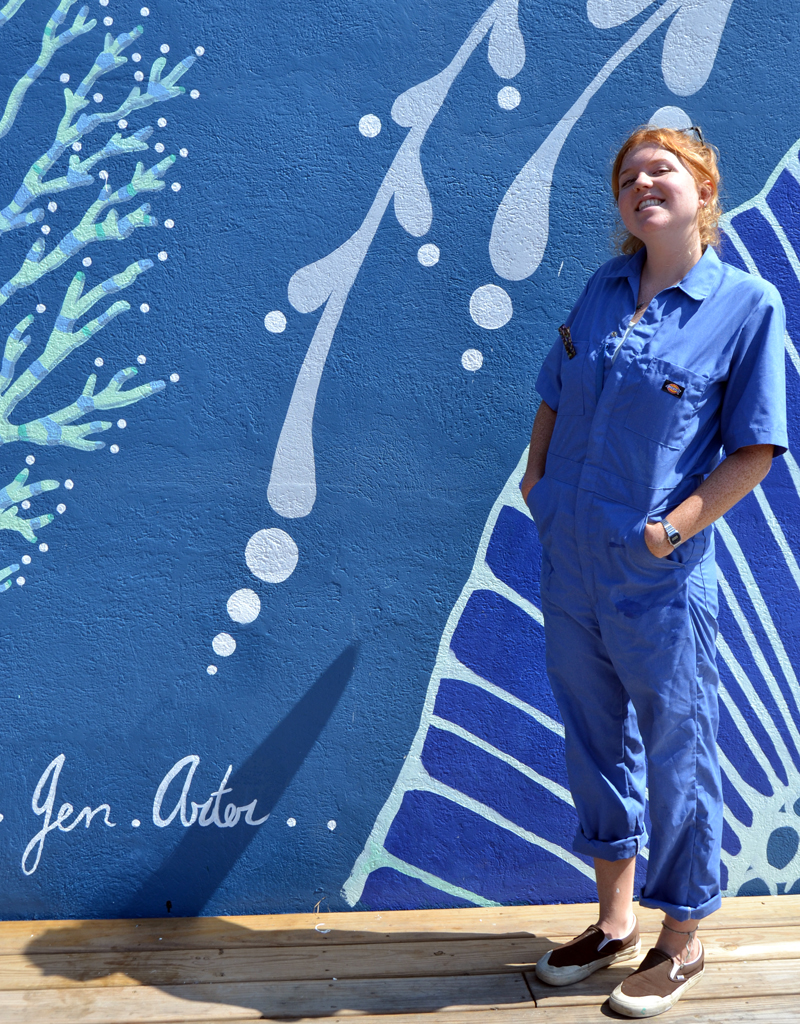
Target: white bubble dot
point(103, 175)
point(428, 254)
point(183, 151)
point(20, 581)
point(77, 146)
point(136, 57)
point(244, 606)
point(369, 126)
point(144, 11)
point(69, 484)
point(52, 206)
point(30, 459)
point(509, 98)
point(271, 555)
point(163, 255)
point(472, 360)
point(40, 307)
point(195, 94)
point(212, 670)
point(114, 449)
point(144, 307)
point(275, 322)
point(199, 50)
point(169, 223)
point(26, 504)
point(291, 822)
point(162, 122)
point(141, 360)
point(43, 548)
point(490, 306)
point(26, 559)
point(98, 97)
point(164, 48)
point(98, 361)
point(671, 117)
point(331, 824)
point(224, 645)
point(108, 22)
point(45, 229)
point(87, 261)
point(63, 78)
point(174, 377)
point(122, 123)
point(104, 3)
point(135, 823)
point(159, 147)
point(176, 186)
point(138, 76)
point(122, 424)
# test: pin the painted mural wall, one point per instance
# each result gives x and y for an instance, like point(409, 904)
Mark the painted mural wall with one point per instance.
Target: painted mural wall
point(275, 284)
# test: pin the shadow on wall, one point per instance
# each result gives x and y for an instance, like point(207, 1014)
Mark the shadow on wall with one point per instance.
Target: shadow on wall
point(200, 862)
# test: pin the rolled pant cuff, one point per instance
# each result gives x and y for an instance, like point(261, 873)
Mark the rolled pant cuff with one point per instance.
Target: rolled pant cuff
point(618, 849)
point(680, 913)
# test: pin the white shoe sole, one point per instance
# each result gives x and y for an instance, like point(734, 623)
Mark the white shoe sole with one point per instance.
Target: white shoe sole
point(649, 1006)
point(570, 975)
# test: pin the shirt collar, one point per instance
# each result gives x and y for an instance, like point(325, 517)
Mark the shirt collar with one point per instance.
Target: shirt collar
point(697, 284)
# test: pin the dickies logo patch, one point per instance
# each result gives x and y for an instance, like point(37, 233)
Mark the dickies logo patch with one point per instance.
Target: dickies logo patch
point(672, 388)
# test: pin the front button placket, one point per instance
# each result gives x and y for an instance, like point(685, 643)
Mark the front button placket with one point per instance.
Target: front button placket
point(609, 383)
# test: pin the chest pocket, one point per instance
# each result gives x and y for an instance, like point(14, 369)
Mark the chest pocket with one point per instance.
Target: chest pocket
point(665, 402)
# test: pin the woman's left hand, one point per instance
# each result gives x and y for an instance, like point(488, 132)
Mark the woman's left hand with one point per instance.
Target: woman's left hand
point(655, 537)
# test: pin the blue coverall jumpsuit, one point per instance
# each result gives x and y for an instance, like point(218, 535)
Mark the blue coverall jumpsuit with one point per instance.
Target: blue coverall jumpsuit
point(630, 638)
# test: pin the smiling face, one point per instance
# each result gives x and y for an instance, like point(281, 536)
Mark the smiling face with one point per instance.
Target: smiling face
point(658, 196)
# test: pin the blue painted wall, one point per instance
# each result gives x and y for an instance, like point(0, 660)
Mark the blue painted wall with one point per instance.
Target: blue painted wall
point(386, 704)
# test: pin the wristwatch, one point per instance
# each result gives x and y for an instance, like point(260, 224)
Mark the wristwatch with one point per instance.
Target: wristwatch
point(672, 534)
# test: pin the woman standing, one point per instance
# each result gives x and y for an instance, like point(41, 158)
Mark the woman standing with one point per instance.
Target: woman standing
point(663, 405)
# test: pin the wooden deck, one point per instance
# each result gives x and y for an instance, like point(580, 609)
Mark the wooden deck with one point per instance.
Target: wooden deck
point(407, 967)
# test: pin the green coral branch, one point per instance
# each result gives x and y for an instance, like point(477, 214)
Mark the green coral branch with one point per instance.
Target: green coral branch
point(6, 14)
point(71, 131)
point(50, 44)
point(20, 491)
point(55, 429)
point(91, 229)
point(8, 571)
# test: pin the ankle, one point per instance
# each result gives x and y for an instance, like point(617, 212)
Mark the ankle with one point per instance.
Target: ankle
point(617, 927)
point(682, 945)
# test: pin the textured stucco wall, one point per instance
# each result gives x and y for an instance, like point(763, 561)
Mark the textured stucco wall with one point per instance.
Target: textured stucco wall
point(368, 218)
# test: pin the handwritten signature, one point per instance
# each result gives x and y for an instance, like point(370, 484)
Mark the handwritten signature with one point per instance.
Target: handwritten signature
point(206, 813)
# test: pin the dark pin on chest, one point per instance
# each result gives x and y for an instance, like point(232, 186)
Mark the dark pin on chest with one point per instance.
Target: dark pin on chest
point(566, 337)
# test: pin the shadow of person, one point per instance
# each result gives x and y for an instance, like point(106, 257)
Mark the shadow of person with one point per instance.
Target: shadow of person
point(278, 967)
point(200, 862)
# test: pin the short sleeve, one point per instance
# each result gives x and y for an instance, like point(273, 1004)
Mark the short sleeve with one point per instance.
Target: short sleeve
point(754, 406)
point(548, 383)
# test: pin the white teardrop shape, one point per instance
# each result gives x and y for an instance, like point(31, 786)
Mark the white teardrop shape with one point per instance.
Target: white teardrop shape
point(506, 45)
point(691, 44)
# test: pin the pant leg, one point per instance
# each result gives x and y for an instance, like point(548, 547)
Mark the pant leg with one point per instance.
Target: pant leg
point(666, 662)
point(604, 752)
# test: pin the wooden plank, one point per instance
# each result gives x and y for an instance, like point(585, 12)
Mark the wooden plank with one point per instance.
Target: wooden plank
point(737, 979)
point(226, 1002)
point(187, 967)
point(389, 960)
point(775, 1010)
point(355, 927)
